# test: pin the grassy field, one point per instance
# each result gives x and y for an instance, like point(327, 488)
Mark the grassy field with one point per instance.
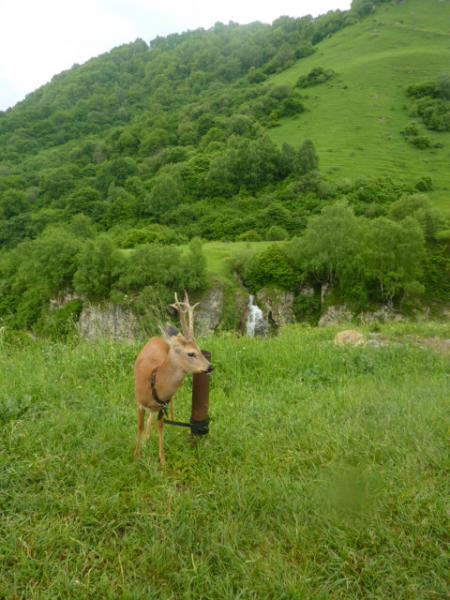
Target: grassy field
point(323, 475)
point(355, 121)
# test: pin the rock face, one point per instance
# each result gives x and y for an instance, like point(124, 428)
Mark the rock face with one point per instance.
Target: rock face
point(307, 291)
point(384, 313)
point(335, 315)
point(108, 321)
point(277, 306)
point(350, 337)
point(209, 313)
point(62, 299)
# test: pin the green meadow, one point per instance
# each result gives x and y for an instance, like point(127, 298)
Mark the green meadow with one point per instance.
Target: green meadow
point(323, 476)
point(356, 118)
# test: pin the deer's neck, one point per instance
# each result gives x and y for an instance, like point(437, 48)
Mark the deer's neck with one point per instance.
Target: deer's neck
point(169, 377)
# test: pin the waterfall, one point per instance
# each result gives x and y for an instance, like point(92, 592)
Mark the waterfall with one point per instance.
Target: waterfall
point(255, 324)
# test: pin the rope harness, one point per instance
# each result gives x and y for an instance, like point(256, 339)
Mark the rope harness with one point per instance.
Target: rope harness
point(162, 405)
point(197, 427)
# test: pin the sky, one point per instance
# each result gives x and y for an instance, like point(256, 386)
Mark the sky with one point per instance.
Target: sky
point(40, 38)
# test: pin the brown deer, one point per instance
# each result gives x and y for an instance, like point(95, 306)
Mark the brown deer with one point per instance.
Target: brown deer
point(160, 369)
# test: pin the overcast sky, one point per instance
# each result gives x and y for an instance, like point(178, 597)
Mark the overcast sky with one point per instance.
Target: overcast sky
point(40, 38)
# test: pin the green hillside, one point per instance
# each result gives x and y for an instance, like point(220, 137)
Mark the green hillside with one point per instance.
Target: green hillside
point(329, 134)
point(356, 119)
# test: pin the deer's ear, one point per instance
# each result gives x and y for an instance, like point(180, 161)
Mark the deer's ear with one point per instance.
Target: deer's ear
point(168, 332)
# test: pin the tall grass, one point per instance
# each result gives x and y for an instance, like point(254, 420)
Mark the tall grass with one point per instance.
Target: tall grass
point(323, 475)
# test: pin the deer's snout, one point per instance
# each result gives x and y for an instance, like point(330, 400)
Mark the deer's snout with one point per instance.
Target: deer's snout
point(210, 369)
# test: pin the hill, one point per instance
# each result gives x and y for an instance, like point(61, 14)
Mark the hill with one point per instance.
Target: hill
point(357, 118)
point(293, 132)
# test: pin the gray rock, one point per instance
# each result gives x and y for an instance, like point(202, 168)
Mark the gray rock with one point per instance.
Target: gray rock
point(277, 306)
point(209, 313)
point(383, 314)
point(335, 315)
point(307, 291)
point(108, 321)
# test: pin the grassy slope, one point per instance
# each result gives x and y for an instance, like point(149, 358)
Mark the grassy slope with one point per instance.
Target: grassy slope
point(218, 254)
point(356, 128)
point(323, 475)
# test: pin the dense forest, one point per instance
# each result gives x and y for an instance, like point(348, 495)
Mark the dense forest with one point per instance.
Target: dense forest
point(113, 173)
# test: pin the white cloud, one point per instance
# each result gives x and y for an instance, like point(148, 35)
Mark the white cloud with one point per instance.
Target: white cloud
point(41, 38)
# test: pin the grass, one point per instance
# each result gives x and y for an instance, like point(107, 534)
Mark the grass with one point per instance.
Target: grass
point(355, 121)
point(218, 254)
point(323, 475)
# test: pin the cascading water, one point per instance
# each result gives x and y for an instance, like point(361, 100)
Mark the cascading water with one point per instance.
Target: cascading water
point(255, 323)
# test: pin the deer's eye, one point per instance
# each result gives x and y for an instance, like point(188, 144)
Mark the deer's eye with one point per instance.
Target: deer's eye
point(191, 354)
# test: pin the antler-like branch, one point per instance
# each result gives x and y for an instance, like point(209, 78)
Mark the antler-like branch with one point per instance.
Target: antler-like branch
point(185, 309)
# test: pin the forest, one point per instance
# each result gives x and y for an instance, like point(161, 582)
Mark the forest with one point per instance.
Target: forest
point(134, 158)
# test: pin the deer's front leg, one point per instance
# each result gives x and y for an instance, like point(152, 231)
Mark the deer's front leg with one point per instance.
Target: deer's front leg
point(148, 427)
point(140, 415)
point(162, 458)
point(171, 411)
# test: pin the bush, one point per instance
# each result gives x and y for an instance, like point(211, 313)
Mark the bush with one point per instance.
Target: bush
point(152, 234)
point(421, 141)
point(270, 267)
point(276, 233)
point(61, 322)
point(249, 236)
point(307, 308)
point(316, 76)
point(425, 184)
point(99, 265)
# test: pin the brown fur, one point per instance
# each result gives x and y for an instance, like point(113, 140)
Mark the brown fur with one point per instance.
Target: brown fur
point(171, 357)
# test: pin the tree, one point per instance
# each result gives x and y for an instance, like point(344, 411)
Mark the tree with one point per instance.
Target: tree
point(307, 158)
point(276, 233)
point(420, 208)
point(166, 194)
point(98, 268)
point(330, 248)
point(393, 255)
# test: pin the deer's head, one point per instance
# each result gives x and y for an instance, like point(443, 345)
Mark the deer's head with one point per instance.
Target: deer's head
point(185, 348)
point(188, 355)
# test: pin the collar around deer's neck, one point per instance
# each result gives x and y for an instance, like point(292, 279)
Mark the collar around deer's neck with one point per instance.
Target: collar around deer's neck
point(156, 398)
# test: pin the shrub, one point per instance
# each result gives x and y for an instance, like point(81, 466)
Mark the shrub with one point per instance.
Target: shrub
point(425, 184)
point(270, 267)
point(249, 236)
point(307, 308)
point(152, 234)
point(61, 322)
point(99, 265)
point(421, 141)
point(316, 76)
point(276, 233)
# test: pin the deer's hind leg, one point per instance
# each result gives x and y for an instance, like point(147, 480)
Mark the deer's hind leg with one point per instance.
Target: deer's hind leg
point(140, 415)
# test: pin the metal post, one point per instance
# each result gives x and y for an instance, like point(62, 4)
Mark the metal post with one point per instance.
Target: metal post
point(200, 401)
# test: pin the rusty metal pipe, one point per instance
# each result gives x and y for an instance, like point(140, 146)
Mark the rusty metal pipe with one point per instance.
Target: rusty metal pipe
point(200, 401)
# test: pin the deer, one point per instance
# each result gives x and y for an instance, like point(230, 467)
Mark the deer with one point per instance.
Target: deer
point(161, 368)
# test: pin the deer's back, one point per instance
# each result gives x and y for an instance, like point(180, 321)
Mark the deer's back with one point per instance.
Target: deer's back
point(152, 355)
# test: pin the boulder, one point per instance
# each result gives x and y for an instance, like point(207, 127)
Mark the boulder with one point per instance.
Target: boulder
point(350, 337)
